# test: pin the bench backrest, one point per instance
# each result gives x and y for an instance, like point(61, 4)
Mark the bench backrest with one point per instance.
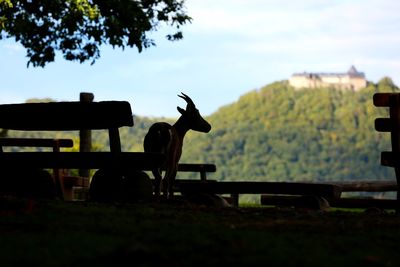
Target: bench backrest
point(69, 116)
point(36, 142)
point(61, 116)
point(391, 124)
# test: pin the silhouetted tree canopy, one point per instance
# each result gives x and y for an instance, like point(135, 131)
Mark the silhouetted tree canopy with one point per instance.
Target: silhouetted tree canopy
point(77, 28)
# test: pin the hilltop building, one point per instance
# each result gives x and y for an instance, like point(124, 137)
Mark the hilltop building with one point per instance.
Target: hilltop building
point(352, 80)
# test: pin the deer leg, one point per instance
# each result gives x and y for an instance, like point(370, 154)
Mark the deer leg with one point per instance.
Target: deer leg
point(171, 184)
point(165, 186)
point(168, 187)
point(157, 183)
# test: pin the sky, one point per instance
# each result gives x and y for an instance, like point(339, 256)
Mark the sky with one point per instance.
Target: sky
point(230, 48)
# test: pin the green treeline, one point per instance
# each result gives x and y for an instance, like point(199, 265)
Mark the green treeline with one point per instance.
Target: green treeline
point(278, 133)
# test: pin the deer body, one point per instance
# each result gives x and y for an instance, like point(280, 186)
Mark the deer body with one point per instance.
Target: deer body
point(168, 139)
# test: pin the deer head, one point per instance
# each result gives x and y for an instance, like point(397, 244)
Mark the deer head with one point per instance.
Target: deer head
point(192, 117)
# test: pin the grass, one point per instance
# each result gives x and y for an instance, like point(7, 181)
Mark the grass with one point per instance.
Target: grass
point(55, 233)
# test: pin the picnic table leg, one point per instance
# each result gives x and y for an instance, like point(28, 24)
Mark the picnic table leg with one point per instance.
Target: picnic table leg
point(58, 174)
point(235, 200)
point(397, 171)
point(85, 136)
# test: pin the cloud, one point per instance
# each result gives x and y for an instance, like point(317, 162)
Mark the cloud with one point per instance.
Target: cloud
point(259, 18)
point(309, 30)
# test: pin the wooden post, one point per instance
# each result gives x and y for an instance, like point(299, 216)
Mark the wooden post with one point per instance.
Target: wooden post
point(203, 175)
point(115, 142)
point(57, 173)
point(85, 136)
point(392, 125)
point(395, 139)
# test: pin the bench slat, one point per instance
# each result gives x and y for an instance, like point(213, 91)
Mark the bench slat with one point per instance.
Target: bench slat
point(383, 99)
point(78, 160)
point(367, 186)
point(36, 142)
point(192, 167)
point(336, 202)
point(325, 190)
point(383, 125)
point(390, 159)
point(65, 116)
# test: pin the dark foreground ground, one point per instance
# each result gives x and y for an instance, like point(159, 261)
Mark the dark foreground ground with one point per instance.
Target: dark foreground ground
point(89, 234)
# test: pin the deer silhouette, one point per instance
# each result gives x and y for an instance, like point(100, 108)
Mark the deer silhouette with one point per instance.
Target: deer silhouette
point(168, 139)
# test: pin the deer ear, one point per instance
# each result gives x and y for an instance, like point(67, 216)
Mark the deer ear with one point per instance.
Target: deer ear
point(181, 110)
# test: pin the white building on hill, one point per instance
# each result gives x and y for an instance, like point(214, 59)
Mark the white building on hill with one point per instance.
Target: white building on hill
point(352, 80)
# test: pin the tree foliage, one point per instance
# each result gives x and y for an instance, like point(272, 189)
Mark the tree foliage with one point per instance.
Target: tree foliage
point(77, 28)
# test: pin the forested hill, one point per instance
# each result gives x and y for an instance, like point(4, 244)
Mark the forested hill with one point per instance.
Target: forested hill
point(278, 133)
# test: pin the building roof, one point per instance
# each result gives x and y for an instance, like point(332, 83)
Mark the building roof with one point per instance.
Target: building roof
point(353, 72)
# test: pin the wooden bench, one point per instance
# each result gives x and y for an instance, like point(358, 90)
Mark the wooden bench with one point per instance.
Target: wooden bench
point(55, 144)
point(392, 125)
point(65, 183)
point(234, 189)
point(287, 194)
point(245, 187)
point(73, 116)
point(202, 169)
point(345, 202)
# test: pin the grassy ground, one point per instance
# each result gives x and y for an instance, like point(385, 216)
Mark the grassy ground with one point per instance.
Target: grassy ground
point(89, 234)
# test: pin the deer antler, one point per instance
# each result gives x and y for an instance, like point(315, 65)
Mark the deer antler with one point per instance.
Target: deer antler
point(187, 99)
